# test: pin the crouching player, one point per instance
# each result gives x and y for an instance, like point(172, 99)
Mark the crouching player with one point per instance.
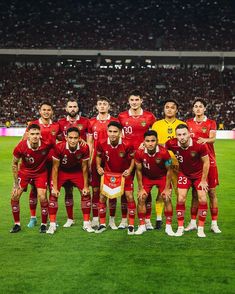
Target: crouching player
point(70, 165)
point(33, 153)
point(153, 168)
point(193, 171)
point(117, 157)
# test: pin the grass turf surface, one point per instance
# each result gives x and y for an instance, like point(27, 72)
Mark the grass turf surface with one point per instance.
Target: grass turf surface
point(73, 261)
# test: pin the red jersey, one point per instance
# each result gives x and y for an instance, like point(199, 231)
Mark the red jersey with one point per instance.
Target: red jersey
point(98, 128)
point(153, 166)
point(49, 131)
point(33, 161)
point(70, 161)
point(190, 162)
point(82, 123)
point(135, 126)
point(116, 159)
point(203, 129)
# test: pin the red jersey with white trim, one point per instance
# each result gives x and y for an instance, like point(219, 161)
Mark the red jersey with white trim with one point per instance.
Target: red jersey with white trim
point(48, 131)
point(82, 123)
point(135, 126)
point(33, 160)
point(153, 165)
point(116, 159)
point(98, 128)
point(203, 129)
point(70, 161)
point(190, 162)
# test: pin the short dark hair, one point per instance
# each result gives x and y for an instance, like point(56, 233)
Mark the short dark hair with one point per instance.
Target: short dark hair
point(45, 103)
point(115, 124)
point(151, 133)
point(33, 126)
point(181, 126)
point(103, 98)
point(199, 99)
point(71, 100)
point(172, 101)
point(73, 129)
point(135, 93)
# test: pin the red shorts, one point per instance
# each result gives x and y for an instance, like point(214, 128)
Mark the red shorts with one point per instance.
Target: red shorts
point(129, 183)
point(149, 183)
point(185, 182)
point(95, 177)
point(213, 179)
point(76, 178)
point(38, 181)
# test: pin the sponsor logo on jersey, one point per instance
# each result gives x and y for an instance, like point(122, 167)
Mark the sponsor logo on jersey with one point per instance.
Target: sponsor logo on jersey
point(158, 160)
point(143, 123)
point(170, 130)
point(80, 127)
point(121, 154)
point(193, 153)
point(112, 179)
point(204, 129)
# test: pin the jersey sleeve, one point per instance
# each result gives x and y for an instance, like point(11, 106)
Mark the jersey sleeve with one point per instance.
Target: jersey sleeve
point(55, 152)
point(213, 126)
point(137, 157)
point(17, 152)
point(86, 153)
point(203, 150)
point(99, 149)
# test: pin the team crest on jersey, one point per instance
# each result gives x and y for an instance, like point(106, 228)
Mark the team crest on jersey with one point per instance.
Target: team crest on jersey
point(44, 152)
point(143, 123)
point(79, 156)
point(113, 180)
point(158, 160)
point(126, 122)
point(204, 129)
point(53, 132)
point(121, 154)
point(170, 130)
point(80, 127)
point(193, 153)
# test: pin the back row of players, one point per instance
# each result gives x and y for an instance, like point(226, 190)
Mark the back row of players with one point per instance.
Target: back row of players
point(161, 153)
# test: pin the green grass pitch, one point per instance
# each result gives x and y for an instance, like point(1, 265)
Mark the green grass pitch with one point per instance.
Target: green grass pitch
point(73, 261)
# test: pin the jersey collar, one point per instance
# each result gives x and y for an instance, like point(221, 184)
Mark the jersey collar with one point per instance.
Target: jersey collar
point(151, 155)
point(47, 125)
point(77, 117)
point(190, 144)
point(29, 146)
point(204, 119)
point(119, 143)
point(141, 112)
point(108, 118)
point(67, 147)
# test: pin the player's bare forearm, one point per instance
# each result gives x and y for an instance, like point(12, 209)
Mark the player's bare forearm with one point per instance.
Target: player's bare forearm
point(54, 175)
point(205, 169)
point(85, 173)
point(98, 166)
point(15, 171)
point(90, 143)
point(139, 175)
point(132, 165)
point(169, 177)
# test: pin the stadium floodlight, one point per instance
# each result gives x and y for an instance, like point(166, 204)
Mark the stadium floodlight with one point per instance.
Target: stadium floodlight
point(128, 61)
point(148, 61)
point(107, 60)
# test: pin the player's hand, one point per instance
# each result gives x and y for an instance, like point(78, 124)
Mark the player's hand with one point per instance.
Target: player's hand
point(141, 147)
point(15, 190)
point(85, 191)
point(100, 170)
point(82, 142)
point(126, 173)
point(142, 194)
point(201, 140)
point(204, 186)
point(166, 194)
point(55, 192)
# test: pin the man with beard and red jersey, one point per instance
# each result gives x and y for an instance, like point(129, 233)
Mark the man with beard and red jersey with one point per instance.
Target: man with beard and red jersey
point(33, 153)
point(97, 133)
point(135, 123)
point(49, 131)
point(193, 171)
point(73, 119)
point(118, 157)
point(204, 130)
point(70, 165)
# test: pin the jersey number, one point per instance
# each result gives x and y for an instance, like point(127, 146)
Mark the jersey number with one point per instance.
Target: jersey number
point(128, 130)
point(182, 180)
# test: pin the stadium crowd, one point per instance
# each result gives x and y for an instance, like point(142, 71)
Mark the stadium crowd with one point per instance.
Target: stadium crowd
point(145, 25)
point(23, 87)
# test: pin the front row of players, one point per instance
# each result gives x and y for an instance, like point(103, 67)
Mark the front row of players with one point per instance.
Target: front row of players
point(153, 166)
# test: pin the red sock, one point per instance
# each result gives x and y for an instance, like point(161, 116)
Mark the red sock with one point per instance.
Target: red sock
point(112, 206)
point(131, 212)
point(44, 211)
point(124, 206)
point(202, 212)
point(194, 212)
point(33, 200)
point(102, 213)
point(95, 202)
point(141, 217)
point(15, 206)
point(69, 206)
point(53, 208)
point(86, 207)
point(148, 206)
point(214, 213)
point(168, 216)
point(180, 210)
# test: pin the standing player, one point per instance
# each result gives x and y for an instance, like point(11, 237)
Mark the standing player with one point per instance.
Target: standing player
point(33, 154)
point(193, 171)
point(49, 131)
point(73, 119)
point(135, 123)
point(98, 133)
point(165, 129)
point(204, 130)
point(153, 168)
point(70, 165)
point(118, 158)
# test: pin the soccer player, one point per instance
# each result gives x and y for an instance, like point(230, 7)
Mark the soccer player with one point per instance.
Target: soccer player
point(118, 158)
point(135, 123)
point(98, 133)
point(153, 168)
point(204, 130)
point(70, 165)
point(193, 171)
point(73, 119)
point(33, 154)
point(49, 131)
point(165, 129)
